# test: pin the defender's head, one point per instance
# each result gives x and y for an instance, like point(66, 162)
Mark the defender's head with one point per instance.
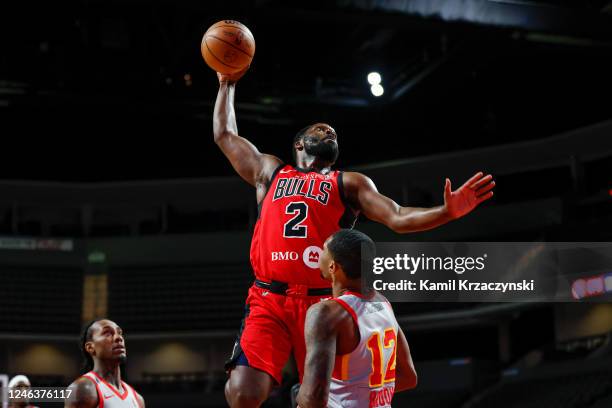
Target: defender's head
point(342, 255)
point(102, 340)
point(319, 140)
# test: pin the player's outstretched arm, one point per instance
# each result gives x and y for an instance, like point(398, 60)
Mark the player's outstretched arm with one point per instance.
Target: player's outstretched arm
point(321, 333)
point(363, 195)
point(405, 374)
point(83, 394)
point(254, 167)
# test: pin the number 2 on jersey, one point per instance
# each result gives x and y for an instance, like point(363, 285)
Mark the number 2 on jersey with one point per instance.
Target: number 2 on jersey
point(292, 228)
point(376, 348)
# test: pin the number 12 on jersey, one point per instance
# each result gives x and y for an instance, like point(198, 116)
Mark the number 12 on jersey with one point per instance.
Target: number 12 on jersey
point(389, 340)
point(293, 227)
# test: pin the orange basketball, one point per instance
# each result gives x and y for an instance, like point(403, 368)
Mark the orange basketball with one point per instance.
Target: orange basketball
point(228, 46)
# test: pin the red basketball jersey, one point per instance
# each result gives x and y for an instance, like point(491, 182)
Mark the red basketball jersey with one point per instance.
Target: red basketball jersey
point(300, 210)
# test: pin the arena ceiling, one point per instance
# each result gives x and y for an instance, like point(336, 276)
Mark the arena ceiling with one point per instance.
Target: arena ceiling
point(116, 90)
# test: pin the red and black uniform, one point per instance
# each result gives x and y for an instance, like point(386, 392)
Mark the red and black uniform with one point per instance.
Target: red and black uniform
point(300, 211)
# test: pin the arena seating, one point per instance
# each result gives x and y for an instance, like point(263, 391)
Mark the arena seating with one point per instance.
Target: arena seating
point(571, 384)
point(51, 295)
point(172, 298)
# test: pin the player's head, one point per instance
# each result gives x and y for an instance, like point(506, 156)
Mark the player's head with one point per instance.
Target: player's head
point(20, 382)
point(342, 255)
point(319, 140)
point(102, 340)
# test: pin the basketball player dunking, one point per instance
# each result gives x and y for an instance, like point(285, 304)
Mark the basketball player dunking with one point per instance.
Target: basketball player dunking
point(299, 207)
point(356, 353)
point(104, 350)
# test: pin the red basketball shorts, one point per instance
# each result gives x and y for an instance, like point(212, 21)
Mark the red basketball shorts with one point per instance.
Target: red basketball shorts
point(272, 328)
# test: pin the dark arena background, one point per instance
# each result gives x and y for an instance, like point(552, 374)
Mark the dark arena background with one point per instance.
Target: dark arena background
point(115, 200)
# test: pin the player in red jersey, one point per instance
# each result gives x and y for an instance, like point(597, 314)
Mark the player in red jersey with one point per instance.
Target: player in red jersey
point(299, 207)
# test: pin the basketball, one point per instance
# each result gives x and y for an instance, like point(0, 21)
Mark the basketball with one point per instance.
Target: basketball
point(228, 46)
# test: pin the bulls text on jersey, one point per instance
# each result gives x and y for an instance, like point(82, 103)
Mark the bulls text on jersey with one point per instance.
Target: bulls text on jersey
point(296, 186)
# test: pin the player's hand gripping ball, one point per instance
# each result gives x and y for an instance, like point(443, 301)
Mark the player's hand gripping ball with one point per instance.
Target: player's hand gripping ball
point(228, 47)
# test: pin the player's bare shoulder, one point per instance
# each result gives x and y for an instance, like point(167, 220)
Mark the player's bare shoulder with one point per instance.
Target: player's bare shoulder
point(354, 184)
point(270, 164)
point(353, 180)
point(327, 317)
point(325, 311)
point(83, 394)
point(269, 167)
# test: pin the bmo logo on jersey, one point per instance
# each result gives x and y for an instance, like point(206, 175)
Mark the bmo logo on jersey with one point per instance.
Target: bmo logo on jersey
point(285, 256)
point(311, 256)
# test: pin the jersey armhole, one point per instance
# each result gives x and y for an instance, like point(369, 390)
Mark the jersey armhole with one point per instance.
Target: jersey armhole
point(340, 182)
point(268, 184)
point(348, 309)
point(349, 218)
point(353, 316)
point(100, 396)
point(273, 176)
point(134, 393)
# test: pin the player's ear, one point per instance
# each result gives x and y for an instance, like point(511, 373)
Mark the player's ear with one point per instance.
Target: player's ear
point(299, 144)
point(89, 347)
point(333, 267)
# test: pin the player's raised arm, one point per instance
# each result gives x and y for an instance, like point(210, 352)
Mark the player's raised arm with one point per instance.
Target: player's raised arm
point(255, 167)
point(405, 374)
point(363, 195)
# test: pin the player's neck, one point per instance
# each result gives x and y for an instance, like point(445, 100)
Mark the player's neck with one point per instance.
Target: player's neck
point(109, 372)
point(341, 288)
point(313, 163)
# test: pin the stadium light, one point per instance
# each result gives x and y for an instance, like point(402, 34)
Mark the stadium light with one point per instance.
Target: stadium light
point(374, 78)
point(377, 90)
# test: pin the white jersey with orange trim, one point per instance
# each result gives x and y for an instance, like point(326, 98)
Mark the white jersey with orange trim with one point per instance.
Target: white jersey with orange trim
point(365, 378)
point(110, 397)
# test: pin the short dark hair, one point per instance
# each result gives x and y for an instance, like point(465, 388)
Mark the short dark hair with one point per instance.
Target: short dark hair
point(87, 335)
point(298, 136)
point(345, 248)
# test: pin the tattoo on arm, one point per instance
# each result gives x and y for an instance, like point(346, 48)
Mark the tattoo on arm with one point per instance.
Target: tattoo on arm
point(321, 338)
